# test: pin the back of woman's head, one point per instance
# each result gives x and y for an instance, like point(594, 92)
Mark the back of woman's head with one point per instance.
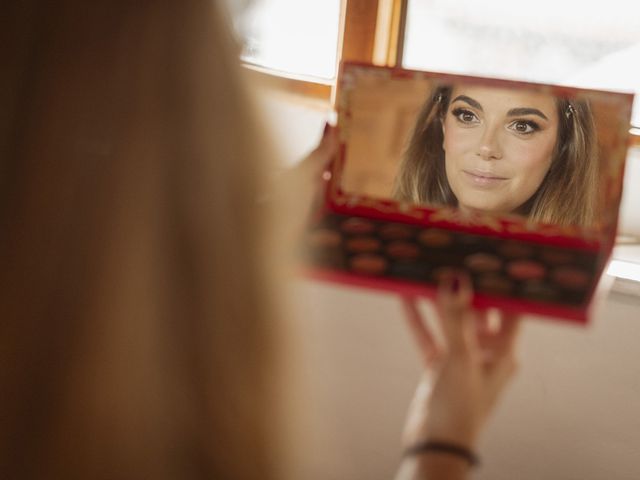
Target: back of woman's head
point(134, 335)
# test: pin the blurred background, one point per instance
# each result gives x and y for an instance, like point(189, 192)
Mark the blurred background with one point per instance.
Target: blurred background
point(572, 413)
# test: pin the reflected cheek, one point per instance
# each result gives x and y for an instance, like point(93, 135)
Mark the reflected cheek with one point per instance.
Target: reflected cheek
point(531, 163)
point(459, 142)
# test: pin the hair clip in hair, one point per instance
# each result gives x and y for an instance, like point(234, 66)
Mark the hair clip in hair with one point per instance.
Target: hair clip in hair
point(569, 111)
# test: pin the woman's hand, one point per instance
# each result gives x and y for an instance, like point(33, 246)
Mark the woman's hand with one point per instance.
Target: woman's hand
point(470, 367)
point(297, 190)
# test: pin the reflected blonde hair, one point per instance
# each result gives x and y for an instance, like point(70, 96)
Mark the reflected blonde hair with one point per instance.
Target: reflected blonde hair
point(568, 194)
point(136, 331)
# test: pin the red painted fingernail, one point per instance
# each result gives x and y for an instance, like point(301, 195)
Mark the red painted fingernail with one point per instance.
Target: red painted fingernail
point(455, 284)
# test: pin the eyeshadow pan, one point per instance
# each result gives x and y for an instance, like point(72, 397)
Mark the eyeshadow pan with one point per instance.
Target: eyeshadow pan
point(363, 244)
point(525, 270)
point(409, 270)
point(434, 238)
point(403, 250)
point(557, 257)
point(570, 278)
point(493, 283)
point(483, 262)
point(356, 225)
point(515, 250)
point(539, 291)
point(395, 231)
point(368, 264)
point(324, 238)
point(442, 273)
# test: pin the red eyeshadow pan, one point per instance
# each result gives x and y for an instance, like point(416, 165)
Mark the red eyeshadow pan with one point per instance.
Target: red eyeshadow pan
point(368, 264)
point(525, 270)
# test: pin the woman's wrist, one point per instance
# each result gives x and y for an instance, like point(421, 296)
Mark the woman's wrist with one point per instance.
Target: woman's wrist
point(444, 448)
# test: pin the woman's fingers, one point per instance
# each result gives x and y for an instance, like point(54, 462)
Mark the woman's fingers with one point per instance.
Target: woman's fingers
point(456, 313)
point(426, 342)
point(318, 160)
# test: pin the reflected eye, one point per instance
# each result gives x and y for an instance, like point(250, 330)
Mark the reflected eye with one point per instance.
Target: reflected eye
point(465, 116)
point(524, 127)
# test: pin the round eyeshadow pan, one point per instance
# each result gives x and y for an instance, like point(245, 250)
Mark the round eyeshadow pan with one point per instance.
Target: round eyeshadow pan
point(539, 291)
point(363, 244)
point(557, 257)
point(395, 231)
point(525, 270)
point(442, 273)
point(435, 238)
point(368, 264)
point(324, 237)
point(356, 225)
point(570, 278)
point(483, 262)
point(410, 270)
point(515, 250)
point(403, 250)
point(496, 284)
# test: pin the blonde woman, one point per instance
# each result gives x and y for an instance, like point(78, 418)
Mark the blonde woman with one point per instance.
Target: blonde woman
point(504, 151)
point(138, 290)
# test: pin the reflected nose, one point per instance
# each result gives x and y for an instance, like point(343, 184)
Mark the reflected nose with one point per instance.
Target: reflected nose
point(489, 145)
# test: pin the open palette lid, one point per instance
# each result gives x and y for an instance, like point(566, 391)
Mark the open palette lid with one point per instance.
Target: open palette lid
point(517, 184)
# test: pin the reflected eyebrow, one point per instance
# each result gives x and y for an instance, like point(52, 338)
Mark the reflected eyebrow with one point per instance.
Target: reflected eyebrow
point(469, 100)
point(516, 112)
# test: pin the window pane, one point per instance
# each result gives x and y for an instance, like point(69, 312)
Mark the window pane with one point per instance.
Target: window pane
point(293, 36)
point(586, 44)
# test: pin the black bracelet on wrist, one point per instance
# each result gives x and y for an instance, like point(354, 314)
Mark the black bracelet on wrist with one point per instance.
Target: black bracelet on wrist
point(444, 447)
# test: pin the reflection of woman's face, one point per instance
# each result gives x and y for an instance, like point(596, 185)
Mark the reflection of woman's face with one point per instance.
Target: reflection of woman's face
point(498, 145)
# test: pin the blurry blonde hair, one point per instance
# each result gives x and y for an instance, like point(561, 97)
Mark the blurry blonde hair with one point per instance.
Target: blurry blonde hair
point(136, 337)
point(568, 194)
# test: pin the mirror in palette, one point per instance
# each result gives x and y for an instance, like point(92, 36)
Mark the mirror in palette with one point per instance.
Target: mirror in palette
point(529, 153)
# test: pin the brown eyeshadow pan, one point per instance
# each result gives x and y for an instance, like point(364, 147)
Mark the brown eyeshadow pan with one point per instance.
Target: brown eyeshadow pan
point(395, 231)
point(368, 264)
point(324, 238)
point(403, 250)
point(363, 244)
point(435, 238)
point(526, 270)
point(557, 257)
point(483, 262)
point(540, 291)
point(357, 226)
point(570, 278)
point(496, 284)
point(515, 250)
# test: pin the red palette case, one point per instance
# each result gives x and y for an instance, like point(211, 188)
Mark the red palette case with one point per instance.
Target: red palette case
point(364, 236)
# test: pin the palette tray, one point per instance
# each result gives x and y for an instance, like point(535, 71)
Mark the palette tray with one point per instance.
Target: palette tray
point(377, 227)
point(527, 275)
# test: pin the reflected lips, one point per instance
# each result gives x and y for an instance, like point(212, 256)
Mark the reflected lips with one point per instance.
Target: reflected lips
point(483, 179)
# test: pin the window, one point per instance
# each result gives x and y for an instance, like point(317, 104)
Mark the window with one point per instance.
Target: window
point(592, 45)
point(292, 36)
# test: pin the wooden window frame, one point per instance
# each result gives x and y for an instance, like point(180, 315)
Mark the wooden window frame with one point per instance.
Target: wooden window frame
point(371, 31)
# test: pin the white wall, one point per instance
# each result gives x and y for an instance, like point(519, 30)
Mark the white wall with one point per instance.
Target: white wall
point(572, 413)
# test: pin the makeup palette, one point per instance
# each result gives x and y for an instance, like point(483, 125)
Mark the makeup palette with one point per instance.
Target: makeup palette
point(362, 236)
